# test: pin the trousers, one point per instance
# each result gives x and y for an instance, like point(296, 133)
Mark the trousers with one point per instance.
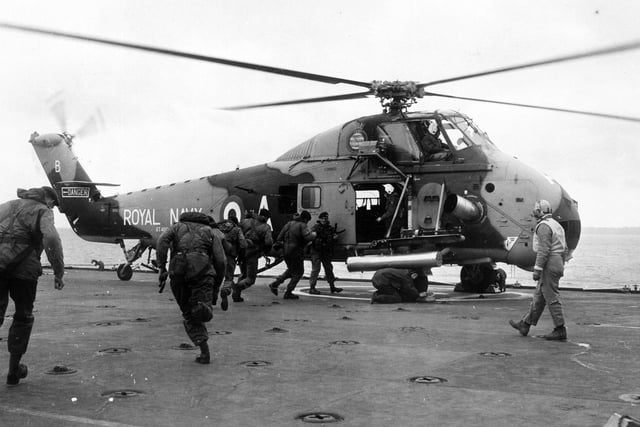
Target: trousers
point(194, 297)
point(294, 271)
point(320, 260)
point(23, 294)
point(547, 293)
point(249, 272)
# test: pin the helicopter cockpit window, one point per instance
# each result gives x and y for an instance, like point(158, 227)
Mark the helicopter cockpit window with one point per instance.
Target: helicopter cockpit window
point(464, 133)
point(398, 137)
point(455, 136)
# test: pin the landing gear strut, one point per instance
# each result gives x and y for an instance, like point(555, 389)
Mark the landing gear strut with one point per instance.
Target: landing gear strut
point(125, 271)
point(481, 278)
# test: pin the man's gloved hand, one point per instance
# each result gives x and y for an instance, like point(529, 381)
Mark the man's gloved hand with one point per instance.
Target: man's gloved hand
point(58, 283)
point(536, 275)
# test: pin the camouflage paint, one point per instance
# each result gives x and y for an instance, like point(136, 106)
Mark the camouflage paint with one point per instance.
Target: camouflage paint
point(501, 187)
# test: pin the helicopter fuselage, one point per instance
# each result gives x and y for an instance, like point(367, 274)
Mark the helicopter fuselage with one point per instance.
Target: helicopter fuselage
point(468, 201)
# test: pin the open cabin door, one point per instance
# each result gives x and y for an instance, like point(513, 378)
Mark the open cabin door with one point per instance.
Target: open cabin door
point(428, 207)
point(336, 198)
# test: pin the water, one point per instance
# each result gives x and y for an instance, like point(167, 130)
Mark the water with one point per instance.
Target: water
point(605, 258)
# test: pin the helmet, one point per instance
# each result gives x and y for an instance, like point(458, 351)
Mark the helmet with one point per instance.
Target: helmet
point(541, 208)
point(433, 127)
point(305, 216)
point(265, 213)
point(324, 215)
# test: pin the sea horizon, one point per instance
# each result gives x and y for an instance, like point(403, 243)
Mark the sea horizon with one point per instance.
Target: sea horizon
point(602, 260)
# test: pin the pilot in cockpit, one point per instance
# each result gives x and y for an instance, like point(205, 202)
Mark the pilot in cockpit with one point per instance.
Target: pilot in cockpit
point(431, 145)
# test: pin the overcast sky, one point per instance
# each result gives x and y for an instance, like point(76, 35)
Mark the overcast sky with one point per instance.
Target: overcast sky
point(161, 121)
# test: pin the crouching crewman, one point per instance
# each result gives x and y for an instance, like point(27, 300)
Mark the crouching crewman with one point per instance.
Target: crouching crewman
point(395, 285)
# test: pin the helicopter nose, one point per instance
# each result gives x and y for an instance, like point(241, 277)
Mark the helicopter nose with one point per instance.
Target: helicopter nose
point(568, 216)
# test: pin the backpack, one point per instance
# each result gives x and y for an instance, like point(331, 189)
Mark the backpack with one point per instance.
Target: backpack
point(11, 253)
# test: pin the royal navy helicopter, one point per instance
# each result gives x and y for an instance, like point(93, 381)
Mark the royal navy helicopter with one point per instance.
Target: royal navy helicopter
point(467, 204)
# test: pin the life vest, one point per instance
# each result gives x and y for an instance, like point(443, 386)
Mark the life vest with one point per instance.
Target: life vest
point(558, 240)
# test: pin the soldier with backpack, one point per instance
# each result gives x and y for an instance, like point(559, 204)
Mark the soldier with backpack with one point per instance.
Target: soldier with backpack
point(257, 233)
point(294, 236)
point(234, 243)
point(196, 267)
point(26, 229)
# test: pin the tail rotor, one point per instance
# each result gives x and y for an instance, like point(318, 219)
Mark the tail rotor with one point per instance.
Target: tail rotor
point(91, 126)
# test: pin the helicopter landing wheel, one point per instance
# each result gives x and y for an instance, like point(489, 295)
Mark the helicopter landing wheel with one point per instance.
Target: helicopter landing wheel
point(476, 278)
point(501, 280)
point(125, 272)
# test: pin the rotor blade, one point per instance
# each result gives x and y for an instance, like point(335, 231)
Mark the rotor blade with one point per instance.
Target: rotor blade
point(92, 125)
point(514, 104)
point(58, 108)
point(354, 95)
point(596, 52)
point(197, 57)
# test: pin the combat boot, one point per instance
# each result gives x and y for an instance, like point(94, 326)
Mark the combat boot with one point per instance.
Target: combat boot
point(289, 295)
point(314, 291)
point(235, 296)
point(558, 334)
point(521, 326)
point(273, 287)
point(224, 301)
point(15, 376)
point(204, 358)
point(334, 290)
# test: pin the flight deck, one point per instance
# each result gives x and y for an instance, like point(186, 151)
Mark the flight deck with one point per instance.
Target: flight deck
point(112, 353)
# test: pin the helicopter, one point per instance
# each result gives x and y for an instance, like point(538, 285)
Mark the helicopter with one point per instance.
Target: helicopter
point(469, 204)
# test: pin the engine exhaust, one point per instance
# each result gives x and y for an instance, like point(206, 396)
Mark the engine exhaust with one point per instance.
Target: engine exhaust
point(463, 208)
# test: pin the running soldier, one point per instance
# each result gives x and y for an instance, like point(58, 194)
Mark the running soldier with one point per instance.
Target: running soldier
point(257, 233)
point(26, 229)
point(295, 235)
point(234, 243)
point(197, 265)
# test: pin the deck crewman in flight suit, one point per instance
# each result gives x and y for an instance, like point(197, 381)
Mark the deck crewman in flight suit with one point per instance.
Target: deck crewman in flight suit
point(197, 265)
point(391, 202)
point(26, 229)
point(551, 251)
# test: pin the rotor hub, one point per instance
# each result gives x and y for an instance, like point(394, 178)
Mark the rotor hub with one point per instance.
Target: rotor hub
point(397, 96)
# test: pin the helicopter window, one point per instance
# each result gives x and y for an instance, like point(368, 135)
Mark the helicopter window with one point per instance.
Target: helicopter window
point(367, 199)
point(473, 135)
point(401, 140)
point(310, 198)
point(455, 136)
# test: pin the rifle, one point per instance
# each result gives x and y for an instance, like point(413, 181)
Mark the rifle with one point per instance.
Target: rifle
point(162, 281)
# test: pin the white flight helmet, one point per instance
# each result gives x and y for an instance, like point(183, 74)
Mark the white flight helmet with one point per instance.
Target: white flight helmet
point(433, 127)
point(542, 208)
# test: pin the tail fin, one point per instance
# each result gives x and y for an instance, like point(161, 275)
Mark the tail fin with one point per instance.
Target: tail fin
point(65, 173)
